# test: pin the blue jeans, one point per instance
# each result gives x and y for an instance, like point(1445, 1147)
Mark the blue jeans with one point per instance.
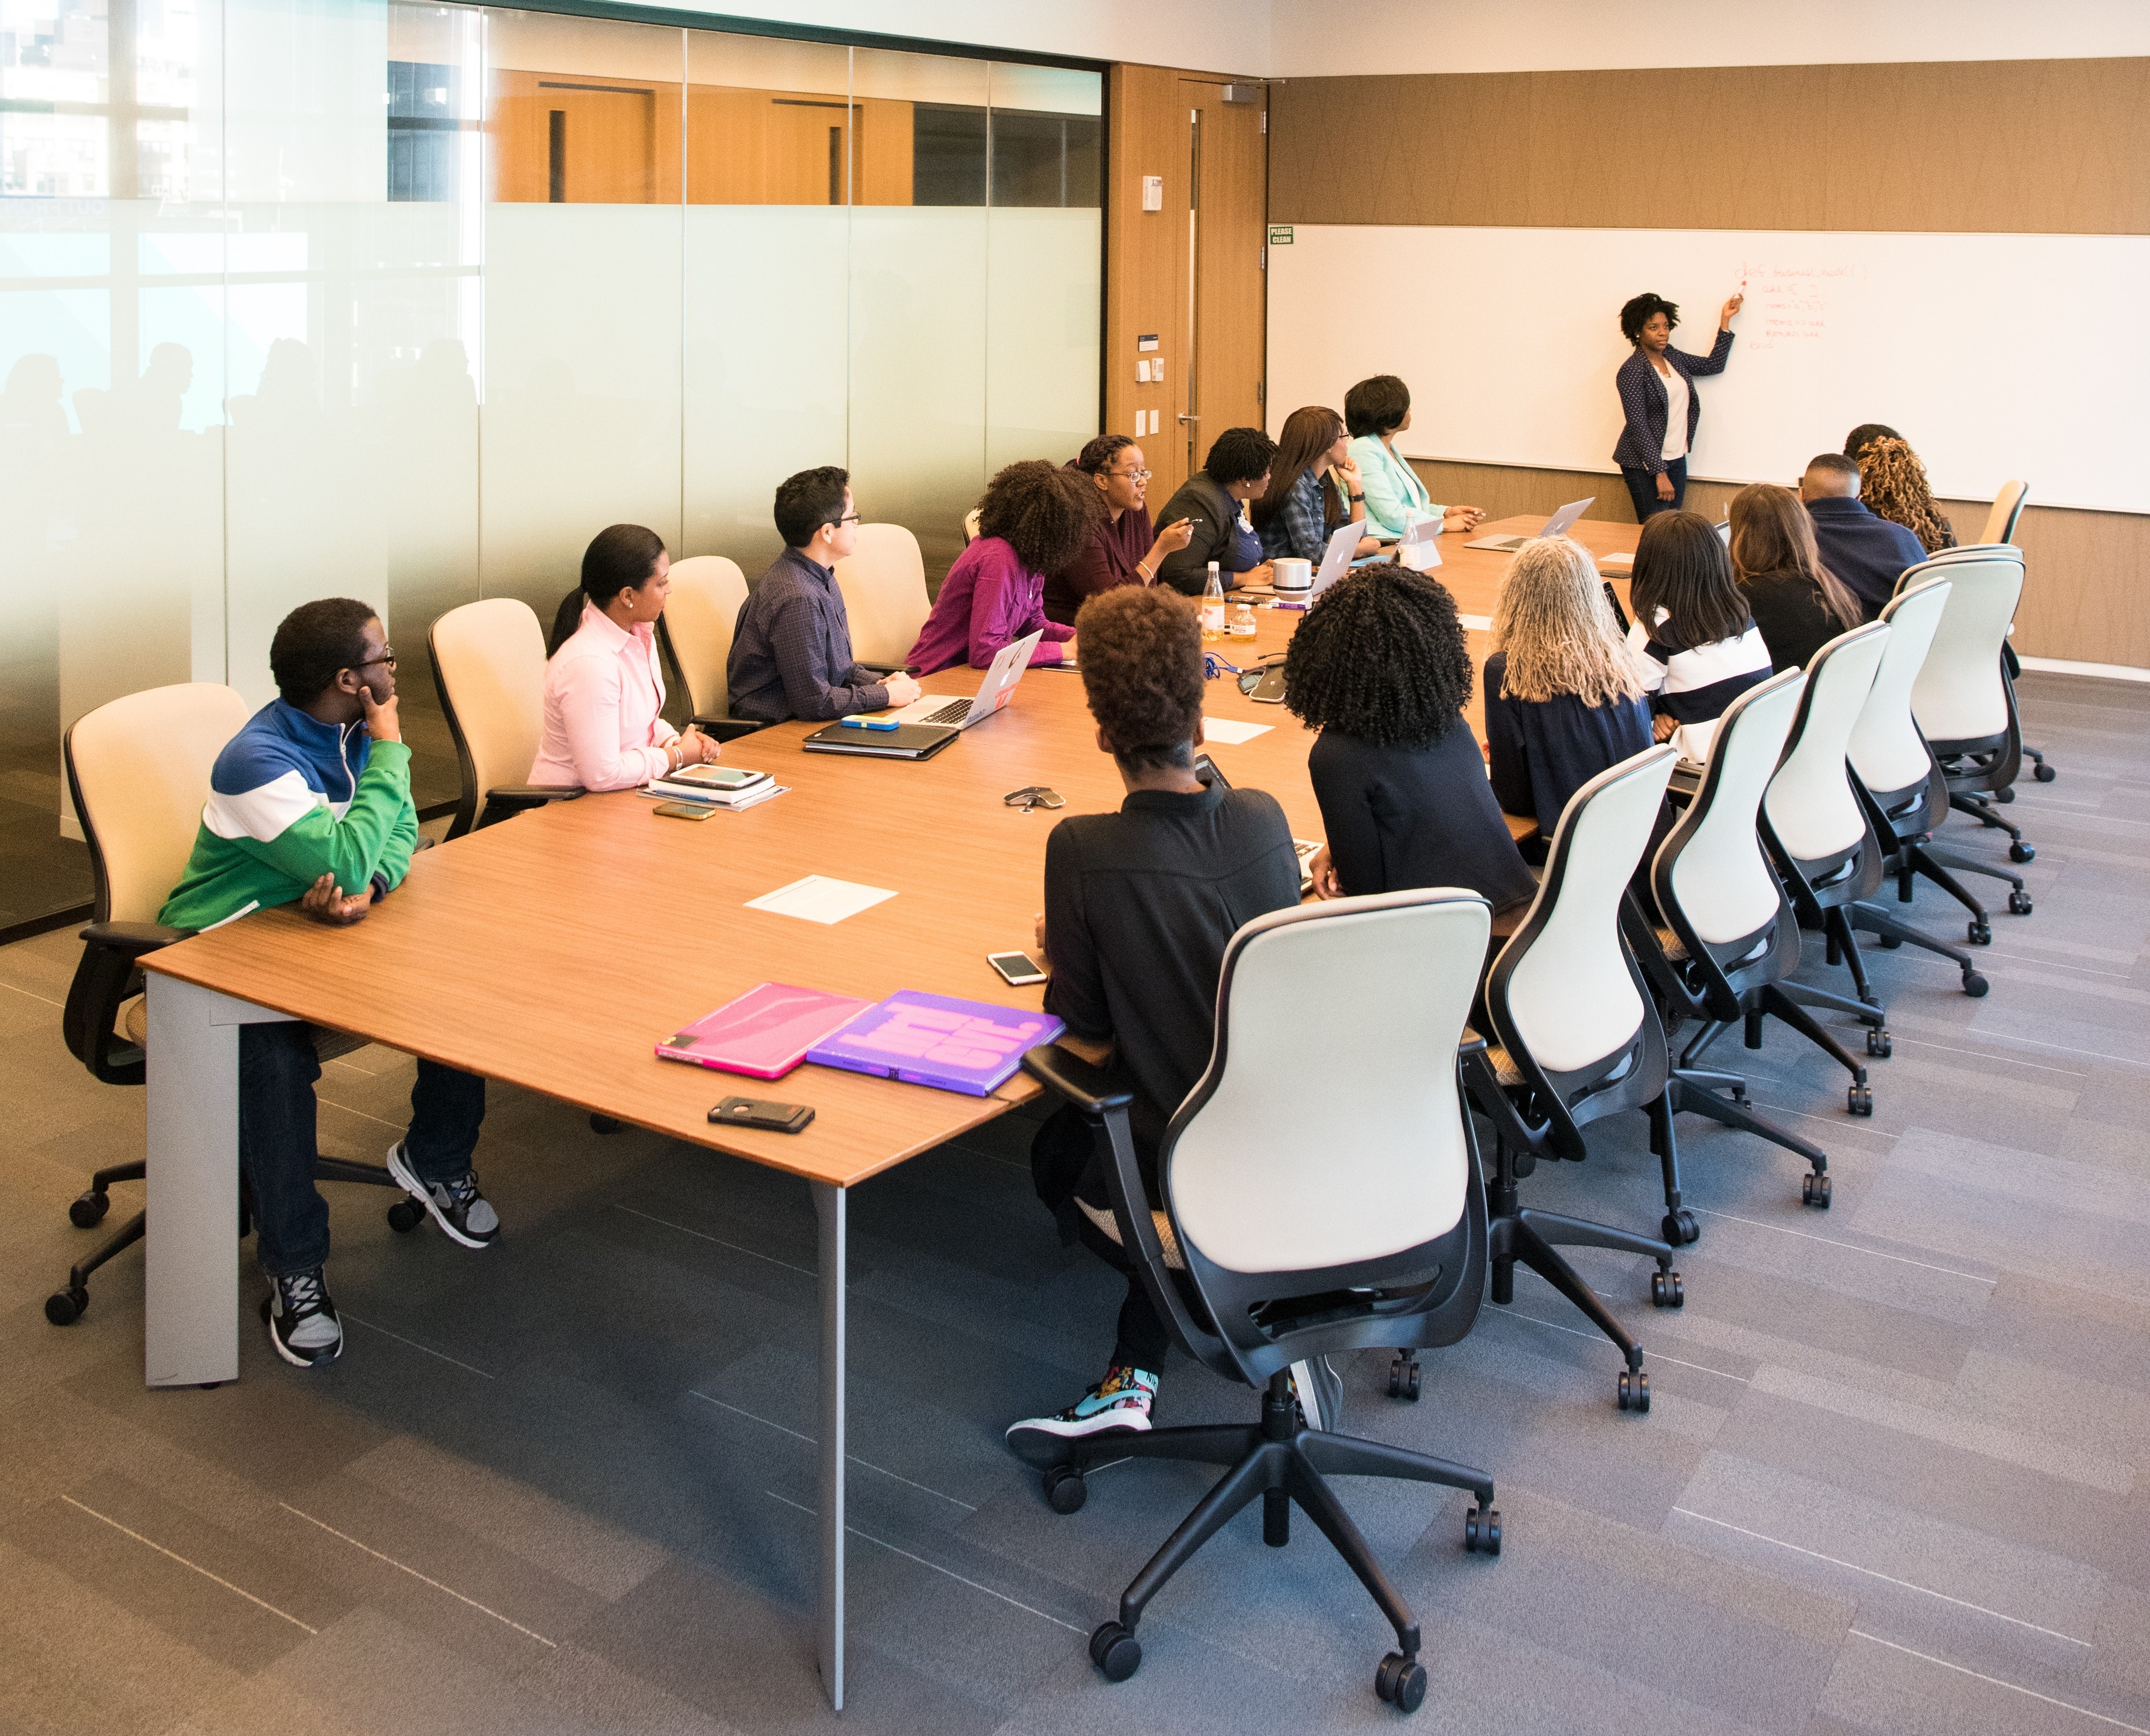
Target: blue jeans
point(1642, 489)
point(277, 1071)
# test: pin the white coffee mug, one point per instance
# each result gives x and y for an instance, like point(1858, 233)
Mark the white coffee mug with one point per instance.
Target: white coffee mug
point(1291, 575)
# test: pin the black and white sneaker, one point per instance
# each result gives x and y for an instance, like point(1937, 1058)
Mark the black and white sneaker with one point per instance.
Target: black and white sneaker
point(457, 1206)
point(302, 1321)
point(1319, 1390)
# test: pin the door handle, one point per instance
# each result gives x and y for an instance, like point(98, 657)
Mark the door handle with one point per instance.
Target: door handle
point(1190, 418)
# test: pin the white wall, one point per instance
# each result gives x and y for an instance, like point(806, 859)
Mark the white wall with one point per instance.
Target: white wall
point(1311, 38)
point(1222, 36)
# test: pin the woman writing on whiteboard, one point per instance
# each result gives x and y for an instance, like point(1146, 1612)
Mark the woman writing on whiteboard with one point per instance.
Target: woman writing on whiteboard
point(1657, 397)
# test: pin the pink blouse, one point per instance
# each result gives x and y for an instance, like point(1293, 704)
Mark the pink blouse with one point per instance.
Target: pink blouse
point(603, 692)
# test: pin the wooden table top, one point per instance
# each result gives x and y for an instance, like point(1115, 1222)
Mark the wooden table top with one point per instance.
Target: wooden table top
point(552, 951)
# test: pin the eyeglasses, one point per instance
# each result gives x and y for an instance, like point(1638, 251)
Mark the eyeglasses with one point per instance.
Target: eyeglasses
point(1133, 475)
point(1034, 795)
point(388, 656)
point(849, 518)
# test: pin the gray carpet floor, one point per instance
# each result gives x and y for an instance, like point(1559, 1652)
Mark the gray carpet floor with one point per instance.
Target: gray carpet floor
point(1896, 1476)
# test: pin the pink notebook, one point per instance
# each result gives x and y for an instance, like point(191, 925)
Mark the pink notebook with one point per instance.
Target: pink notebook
point(765, 1032)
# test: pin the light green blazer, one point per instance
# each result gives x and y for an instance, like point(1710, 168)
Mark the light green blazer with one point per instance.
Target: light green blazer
point(1392, 487)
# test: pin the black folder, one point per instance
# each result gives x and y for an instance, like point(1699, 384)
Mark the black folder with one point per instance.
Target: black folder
point(905, 741)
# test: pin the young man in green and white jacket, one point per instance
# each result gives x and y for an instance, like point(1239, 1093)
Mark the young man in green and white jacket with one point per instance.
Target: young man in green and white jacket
point(310, 804)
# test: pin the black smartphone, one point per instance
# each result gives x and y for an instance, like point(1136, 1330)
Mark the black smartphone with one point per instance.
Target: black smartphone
point(1619, 613)
point(1017, 969)
point(1210, 772)
point(754, 1111)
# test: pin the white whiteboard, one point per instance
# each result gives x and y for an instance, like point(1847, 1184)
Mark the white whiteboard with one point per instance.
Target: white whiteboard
point(1997, 356)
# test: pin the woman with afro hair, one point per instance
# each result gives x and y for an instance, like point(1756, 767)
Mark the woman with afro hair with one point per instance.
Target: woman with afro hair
point(1036, 519)
point(1380, 668)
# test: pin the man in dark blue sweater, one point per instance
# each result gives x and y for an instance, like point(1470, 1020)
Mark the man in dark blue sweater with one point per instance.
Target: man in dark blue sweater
point(1868, 553)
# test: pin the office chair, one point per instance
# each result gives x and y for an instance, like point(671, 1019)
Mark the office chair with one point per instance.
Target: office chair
point(969, 526)
point(1577, 1039)
point(1322, 1195)
point(883, 580)
point(1730, 935)
point(139, 813)
point(2000, 527)
point(1964, 703)
point(489, 667)
point(1815, 827)
point(696, 628)
point(1897, 780)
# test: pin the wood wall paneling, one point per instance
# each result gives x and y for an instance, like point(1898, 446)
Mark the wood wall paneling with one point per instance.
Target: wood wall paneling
point(1997, 147)
point(1145, 135)
point(621, 138)
point(1232, 295)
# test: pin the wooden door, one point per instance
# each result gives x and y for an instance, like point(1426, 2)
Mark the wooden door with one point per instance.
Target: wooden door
point(1224, 338)
point(569, 140)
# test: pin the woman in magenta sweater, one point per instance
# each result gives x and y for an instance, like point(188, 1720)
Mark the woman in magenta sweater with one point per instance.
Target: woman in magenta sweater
point(1036, 519)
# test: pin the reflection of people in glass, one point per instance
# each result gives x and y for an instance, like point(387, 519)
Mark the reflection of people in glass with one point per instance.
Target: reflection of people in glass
point(152, 404)
point(286, 395)
point(32, 402)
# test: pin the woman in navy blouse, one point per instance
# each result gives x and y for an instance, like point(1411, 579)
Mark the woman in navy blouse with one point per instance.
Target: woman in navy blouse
point(1657, 399)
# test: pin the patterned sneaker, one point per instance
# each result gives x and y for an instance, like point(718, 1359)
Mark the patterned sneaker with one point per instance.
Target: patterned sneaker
point(457, 1206)
point(302, 1321)
point(1121, 1401)
point(1319, 1391)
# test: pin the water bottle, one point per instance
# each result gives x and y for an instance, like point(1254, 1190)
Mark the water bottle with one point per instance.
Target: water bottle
point(1212, 604)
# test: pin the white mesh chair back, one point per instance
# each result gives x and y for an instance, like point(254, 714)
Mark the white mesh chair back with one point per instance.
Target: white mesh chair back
point(1721, 879)
point(1886, 751)
point(2007, 508)
point(883, 580)
point(1570, 995)
point(1960, 694)
point(1810, 803)
point(139, 768)
point(489, 658)
point(1328, 1129)
point(708, 592)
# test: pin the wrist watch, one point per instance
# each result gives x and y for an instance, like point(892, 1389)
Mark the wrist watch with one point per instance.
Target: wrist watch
point(1358, 496)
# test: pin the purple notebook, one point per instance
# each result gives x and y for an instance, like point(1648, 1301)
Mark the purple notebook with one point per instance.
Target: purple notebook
point(966, 1045)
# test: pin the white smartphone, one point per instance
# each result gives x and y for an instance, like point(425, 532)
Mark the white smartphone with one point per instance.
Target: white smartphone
point(1017, 969)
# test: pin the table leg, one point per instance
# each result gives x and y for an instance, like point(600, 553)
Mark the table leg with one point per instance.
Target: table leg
point(190, 1306)
point(829, 1210)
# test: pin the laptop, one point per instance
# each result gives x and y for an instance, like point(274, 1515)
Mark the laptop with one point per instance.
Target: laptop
point(1336, 558)
point(939, 711)
point(1556, 526)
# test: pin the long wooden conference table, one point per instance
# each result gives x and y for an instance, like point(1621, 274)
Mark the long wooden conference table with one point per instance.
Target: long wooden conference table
point(553, 951)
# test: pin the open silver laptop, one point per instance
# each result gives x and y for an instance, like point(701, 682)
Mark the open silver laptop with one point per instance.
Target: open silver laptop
point(1556, 526)
point(993, 692)
point(1336, 558)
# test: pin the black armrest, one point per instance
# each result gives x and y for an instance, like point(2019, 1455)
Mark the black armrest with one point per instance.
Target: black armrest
point(887, 669)
point(1470, 1043)
point(1093, 1090)
point(728, 729)
point(107, 975)
point(503, 800)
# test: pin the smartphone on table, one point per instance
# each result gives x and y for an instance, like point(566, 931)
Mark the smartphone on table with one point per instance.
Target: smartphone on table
point(754, 1111)
point(1018, 970)
point(683, 810)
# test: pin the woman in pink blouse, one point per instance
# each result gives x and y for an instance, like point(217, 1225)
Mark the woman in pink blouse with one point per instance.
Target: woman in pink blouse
point(604, 691)
point(1036, 519)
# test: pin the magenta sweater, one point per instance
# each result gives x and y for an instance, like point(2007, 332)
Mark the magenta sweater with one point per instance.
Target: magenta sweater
point(988, 601)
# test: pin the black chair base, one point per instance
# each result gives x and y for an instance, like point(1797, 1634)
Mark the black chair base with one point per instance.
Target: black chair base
point(65, 1307)
point(1980, 807)
point(1281, 1461)
point(1876, 921)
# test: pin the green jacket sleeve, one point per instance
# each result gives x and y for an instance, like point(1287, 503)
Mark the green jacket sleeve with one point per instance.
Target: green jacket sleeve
point(375, 835)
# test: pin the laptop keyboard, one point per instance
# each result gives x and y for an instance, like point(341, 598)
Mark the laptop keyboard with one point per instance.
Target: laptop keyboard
point(954, 712)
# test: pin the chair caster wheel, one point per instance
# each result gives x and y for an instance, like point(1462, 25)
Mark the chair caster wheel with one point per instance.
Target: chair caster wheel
point(1481, 1530)
point(1859, 1100)
point(405, 1216)
point(1115, 1652)
point(1401, 1682)
point(1980, 934)
point(89, 1212)
point(1813, 1191)
point(1680, 1228)
point(2005, 796)
point(1890, 942)
point(1403, 1377)
point(1065, 1490)
point(1881, 1045)
point(63, 1308)
point(1974, 985)
point(2020, 852)
point(1666, 1290)
point(1739, 1091)
point(2018, 904)
point(1635, 1391)
point(2045, 775)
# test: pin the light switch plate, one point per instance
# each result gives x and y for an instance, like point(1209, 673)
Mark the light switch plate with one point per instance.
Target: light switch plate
point(1152, 193)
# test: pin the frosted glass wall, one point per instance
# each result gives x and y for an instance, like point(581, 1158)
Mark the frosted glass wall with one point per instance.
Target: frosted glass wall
point(405, 302)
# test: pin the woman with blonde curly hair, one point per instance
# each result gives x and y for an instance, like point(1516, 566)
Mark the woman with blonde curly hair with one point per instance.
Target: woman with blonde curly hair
point(1893, 483)
point(1562, 699)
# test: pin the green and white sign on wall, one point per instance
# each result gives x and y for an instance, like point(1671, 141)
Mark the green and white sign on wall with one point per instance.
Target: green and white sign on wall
point(1280, 235)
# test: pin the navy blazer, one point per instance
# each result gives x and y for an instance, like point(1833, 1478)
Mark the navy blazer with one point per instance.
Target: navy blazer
point(1869, 553)
point(1645, 402)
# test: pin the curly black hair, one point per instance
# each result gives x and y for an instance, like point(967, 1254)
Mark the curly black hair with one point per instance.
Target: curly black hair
point(1097, 457)
point(1240, 454)
point(1142, 672)
point(1380, 657)
point(1636, 313)
point(1044, 512)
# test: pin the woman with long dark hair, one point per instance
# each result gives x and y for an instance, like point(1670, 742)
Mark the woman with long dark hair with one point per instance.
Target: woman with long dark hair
point(1799, 605)
point(604, 690)
point(1693, 641)
point(1314, 487)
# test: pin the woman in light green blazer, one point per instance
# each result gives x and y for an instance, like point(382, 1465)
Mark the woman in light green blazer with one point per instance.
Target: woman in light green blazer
point(1375, 412)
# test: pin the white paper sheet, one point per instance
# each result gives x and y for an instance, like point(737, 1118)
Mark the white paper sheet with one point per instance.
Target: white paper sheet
point(819, 898)
point(1229, 731)
point(1477, 624)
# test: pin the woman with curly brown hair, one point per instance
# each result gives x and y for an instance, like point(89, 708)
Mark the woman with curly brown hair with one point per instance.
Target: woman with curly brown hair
point(1379, 667)
point(1893, 483)
point(1036, 519)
